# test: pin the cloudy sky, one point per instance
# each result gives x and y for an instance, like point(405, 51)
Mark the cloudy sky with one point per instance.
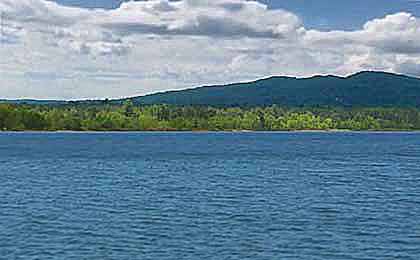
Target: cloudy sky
point(74, 49)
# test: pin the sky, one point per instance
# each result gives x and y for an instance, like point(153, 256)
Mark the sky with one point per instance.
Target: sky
point(94, 49)
point(320, 14)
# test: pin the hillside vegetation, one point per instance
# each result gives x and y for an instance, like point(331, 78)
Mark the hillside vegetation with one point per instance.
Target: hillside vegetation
point(364, 89)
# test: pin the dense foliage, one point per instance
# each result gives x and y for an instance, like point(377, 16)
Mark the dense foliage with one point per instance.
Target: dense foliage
point(364, 89)
point(163, 117)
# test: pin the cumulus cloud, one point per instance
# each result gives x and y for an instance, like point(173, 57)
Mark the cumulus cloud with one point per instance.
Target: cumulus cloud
point(396, 33)
point(219, 18)
point(99, 31)
point(41, 11)
point(147, 46)
point(10, 33)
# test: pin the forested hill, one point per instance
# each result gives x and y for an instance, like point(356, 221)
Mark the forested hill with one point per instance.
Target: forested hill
point(364, 89)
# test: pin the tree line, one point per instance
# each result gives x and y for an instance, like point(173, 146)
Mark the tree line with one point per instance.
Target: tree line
point(128, 117)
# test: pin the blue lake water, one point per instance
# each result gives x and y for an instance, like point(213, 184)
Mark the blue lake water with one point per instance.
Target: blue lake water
point(210, 196)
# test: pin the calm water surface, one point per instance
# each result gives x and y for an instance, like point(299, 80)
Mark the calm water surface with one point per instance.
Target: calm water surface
point(210, 196)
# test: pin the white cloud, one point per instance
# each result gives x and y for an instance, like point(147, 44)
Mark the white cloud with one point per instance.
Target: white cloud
point(41, 11)
point(396, 33)
point(52, 51)
point(220, 18)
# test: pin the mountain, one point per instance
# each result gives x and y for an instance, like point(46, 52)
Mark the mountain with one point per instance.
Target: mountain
point(33, 102)
point(363, 89)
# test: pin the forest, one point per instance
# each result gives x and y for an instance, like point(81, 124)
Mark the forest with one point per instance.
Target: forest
point(130, 117)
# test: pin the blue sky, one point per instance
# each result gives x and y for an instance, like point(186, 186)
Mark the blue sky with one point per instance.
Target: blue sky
point(320, 14)
point(66, 49)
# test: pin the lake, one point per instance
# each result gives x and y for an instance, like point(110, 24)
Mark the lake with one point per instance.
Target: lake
point(210, 196)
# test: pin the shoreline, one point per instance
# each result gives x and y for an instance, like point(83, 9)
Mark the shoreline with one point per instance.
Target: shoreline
point(333, 131)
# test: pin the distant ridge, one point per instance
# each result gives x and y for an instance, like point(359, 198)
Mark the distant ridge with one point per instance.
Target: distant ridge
point(33, 102)
point(363, 89)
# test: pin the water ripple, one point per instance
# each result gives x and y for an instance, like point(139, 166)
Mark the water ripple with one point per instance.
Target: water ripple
point(210, 196)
